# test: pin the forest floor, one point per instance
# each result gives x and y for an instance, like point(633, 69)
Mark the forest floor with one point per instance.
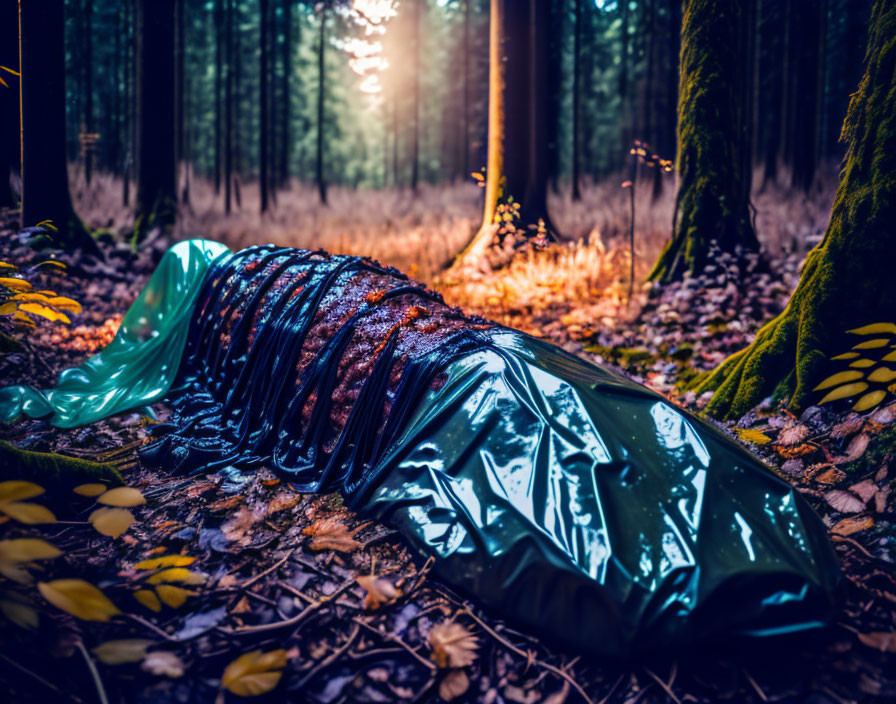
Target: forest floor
point(276, 569)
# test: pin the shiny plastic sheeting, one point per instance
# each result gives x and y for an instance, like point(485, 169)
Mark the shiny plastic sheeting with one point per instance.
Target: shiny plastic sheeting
point(589, 509)
point(139, 364)
point(569, 499)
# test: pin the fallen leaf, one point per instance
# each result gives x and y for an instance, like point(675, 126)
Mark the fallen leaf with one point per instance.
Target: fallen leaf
point(78, 598)
point(283, 501)
point(844, 501)
point(27, 550)
point(331, 534)
point(853, 524)
point(163, 663)
point(380, 591)
point(27, 512)
point(757, 437)
point(120, 652)
point(111, 521)
point(90, 489)
point(174, 597)
point(16, 490)
point(452, 644)
point(793, 435)
point(148, 598)
point(123, 497)
point(865, 490)
point(454, 684)
point(855, 449)
point(177, 574)
point(19, 613)
point(165, 561)
point(885, 642)
point(254, 673)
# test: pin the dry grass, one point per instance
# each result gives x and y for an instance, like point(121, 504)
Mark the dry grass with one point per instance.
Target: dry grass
point(420, 234)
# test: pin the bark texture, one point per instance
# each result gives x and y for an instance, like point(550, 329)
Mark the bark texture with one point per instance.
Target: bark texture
point(713, 160)
point(847, 281)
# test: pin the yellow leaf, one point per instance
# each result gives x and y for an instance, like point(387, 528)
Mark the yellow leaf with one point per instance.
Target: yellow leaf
point(177, 574)
point(9, 70)
point(862, 363)
point(148, 598)
point(90, 489)
point(16, 490)
point(869, 400)
point(55, 263)
point(27, 550)
point(123, 496)
point(44, 312)
point(839, 378)
point(111, 521)
point(15, 284)
point(757, 437)
point(78, 598)
point(20, 614)
point(64, 303)
point(7, 265)
point(875, 329)
point(882, 375)
point(26, 512)
point(254, 673)
point(173, 596)
point(31, 296)
point(120, 652)
point(890, 357)
point(8, 308)
point(845, 355)
point(165, 561)
point(845, 391)
point(871, 344)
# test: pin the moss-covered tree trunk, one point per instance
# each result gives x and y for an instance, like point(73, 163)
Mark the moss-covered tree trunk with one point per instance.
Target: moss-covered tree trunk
point(713, 150)
point(848, 279)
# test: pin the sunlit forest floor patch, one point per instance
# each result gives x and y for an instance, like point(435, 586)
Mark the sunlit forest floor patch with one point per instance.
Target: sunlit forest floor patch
point(335, 602)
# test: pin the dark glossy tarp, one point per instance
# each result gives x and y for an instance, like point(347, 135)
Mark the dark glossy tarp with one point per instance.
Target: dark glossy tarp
point(574, 502)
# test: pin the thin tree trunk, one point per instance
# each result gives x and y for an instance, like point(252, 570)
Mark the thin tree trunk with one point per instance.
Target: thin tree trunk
point(576, 93)
point(219, 70)
point(466, 59)
point(285, 99)
point(87, 144)
point(321, 76)
point(415, 138)
point(228, 106)
point(156, 181)
point(45, 190)
point(9, 102)
point(264, 83)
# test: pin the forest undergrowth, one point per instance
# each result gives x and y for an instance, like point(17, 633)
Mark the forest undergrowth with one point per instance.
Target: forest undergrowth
point(336, 601)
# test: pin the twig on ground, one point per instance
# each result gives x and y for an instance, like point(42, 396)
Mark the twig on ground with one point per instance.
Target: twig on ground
point(100, 690)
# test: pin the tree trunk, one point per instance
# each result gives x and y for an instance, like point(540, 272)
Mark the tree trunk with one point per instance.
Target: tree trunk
point(321, 75)
point(415, 138)
point(847, 281)
point(228, 105)
point(286, 97)
point(804, 92)
point(9, 102)
point(156, 190)
point(467, 79)
point(517, 164)
point(713, 198)
point(45, 192)
point(264, 85)
point(219, 70)
point(576, 91)
point(87, 143)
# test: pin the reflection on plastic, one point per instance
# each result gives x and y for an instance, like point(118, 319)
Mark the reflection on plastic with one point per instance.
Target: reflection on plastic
point(138, 366)
point(571, 500)
point(586, 507)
